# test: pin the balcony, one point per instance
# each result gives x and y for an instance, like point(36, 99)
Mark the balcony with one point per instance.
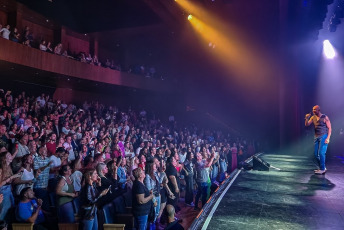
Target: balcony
point(47, 63)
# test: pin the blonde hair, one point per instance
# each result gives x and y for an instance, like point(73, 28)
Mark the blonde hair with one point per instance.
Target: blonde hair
point(137, 173)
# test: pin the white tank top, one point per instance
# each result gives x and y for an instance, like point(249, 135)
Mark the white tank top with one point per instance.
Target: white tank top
point(27, 175)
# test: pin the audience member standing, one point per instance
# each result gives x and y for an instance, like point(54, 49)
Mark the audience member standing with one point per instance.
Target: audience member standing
point(202, 177)
point(40, 187)
point(6, 32)
point(142, 200)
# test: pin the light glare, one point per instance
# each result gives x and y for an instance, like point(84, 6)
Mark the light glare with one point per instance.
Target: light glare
point(189, 17)
point(328, 50)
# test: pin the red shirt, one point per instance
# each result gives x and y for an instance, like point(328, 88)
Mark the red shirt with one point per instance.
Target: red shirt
point(51, 148)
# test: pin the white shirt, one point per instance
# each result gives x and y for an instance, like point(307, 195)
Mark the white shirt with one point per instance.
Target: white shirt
point(27, 175)
point(182, 158)
point(22, 150)
point(5, 33)
point(76, 177)
point(56, 162)
point(71, 156)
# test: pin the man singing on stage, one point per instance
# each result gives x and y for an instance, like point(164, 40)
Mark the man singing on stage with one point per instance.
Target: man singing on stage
point(322, 127)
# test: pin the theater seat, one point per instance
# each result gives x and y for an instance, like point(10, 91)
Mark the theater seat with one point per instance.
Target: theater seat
point(114, 226)
point(22, 226)
point(68, 226)
point(126, 218)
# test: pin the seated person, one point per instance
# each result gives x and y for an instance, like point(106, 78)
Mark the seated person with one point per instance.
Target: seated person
point(58, 49)
point(29, 210)
point(173, 224)
point(42, 45)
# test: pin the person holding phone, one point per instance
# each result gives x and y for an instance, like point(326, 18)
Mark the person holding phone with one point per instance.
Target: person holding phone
point(89, 197)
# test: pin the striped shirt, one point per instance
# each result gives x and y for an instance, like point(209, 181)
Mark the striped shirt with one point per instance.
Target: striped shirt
point(42, 179)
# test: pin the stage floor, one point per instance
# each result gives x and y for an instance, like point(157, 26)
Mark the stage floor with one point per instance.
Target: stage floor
point(292, 198)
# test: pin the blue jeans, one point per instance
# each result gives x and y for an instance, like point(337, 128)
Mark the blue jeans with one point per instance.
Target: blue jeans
point(8, 201)
point(109, 213)
point(141, 222)
point(320, 150)
point(91, 224)
point(214, 173)
point(223, 170)
point(202, 189)
point(157, 208)
point(66, 213)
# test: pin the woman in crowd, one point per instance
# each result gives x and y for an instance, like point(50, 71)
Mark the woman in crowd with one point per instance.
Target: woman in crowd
point(106, 182)
point(112, 171)
point(122, 173)
point(58, 49)
point(60, 143)
point(142, 163)
point(142, 200)
point(164, 189)
point(65, 193)
point(49, 48)
point(134, 164)
point(89, 196)
point(223, 163)
point(6, 177)
point(51, 144)
point(27, 177)
point(108, 202)
point(42, 45)
point(152, 183)
point(84, 151)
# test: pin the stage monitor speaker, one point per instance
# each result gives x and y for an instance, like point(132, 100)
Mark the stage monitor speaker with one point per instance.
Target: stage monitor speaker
point(260, 164)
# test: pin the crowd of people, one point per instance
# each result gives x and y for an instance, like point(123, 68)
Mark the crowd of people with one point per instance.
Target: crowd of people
point(87, 164)
point(26, 38)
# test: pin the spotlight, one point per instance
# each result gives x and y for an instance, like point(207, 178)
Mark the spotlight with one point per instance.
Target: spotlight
point(328, 50)
point(189, 17)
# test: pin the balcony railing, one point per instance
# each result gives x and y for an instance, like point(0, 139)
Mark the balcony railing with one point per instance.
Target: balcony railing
point(27, 56)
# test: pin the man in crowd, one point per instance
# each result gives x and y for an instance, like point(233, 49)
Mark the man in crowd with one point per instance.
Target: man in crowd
point(173, 224)
point(202, 177)
point(42, 165)
point(30, 210)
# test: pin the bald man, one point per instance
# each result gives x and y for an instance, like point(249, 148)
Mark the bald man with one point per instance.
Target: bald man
point(173, 224)
point(322, 128)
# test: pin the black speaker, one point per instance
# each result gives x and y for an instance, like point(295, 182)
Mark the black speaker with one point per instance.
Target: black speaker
point(260, 164)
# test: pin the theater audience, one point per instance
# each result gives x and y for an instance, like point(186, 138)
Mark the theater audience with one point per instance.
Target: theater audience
point(117, 144)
